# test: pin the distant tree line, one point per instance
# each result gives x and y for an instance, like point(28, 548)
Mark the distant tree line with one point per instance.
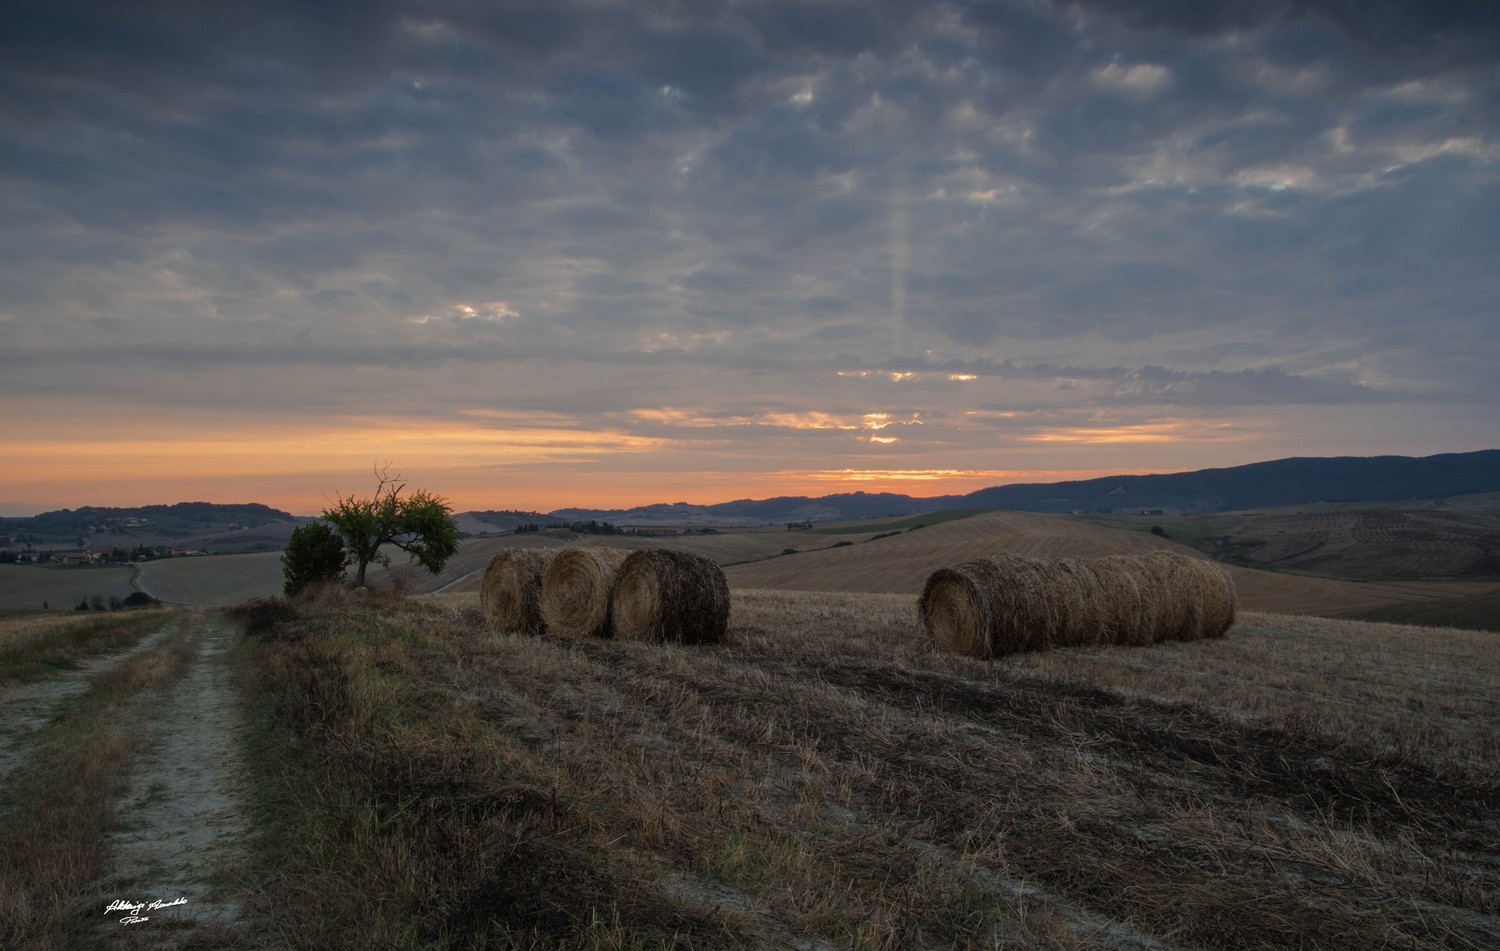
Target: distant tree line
point(98, 602)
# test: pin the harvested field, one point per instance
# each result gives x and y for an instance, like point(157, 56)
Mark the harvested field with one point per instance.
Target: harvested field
point(903, 563)
point(27, 587)
point(214, 580)
point(821, 780)
point(1421, 540)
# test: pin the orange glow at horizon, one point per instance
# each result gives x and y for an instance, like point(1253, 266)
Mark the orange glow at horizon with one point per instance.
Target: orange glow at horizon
point(482, 460)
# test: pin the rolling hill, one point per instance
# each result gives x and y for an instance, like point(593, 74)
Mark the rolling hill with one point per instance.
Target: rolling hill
point(1295, 481)
point(901, 563)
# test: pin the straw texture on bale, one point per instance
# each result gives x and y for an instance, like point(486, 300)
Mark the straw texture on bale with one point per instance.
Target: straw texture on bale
point(1006, 603)
point(510, 593)
point(669, 596)
point(576, 588)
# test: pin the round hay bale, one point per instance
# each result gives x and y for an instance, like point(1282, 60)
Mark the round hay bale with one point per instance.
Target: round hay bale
point(661, 595)
point(510, 593)
point(993, 605)
point(955, 608)
point(1084, 614)
point(575, 590)
point(1161, 575)
point(1134, 607)
point(1030, 610)
point(1215, 588)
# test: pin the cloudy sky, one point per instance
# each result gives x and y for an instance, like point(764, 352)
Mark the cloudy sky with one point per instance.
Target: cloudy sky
point(601, 253)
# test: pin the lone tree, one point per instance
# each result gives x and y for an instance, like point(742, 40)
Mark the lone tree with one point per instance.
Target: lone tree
point(418, 524)
point(314, 555)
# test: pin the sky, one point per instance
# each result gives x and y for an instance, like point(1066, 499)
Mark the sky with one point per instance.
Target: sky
point(536, 255)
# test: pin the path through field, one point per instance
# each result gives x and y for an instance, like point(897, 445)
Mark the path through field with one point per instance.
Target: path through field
point(179, 826)
point(183, 822)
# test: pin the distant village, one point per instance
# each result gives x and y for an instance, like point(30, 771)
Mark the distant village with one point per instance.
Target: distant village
point(25, 549)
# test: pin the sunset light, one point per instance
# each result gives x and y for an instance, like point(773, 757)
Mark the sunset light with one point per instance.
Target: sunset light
point(605, 254)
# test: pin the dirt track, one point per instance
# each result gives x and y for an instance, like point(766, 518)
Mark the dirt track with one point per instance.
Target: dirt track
point(178, 828)
point(183, 822)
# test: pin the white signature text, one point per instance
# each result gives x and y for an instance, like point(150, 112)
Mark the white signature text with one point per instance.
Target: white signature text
point(132, 909)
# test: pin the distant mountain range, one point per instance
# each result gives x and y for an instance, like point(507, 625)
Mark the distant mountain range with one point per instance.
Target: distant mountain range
point(1293, 481)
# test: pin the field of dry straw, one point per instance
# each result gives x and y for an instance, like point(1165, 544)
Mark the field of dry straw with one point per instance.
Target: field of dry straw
point(822, 778)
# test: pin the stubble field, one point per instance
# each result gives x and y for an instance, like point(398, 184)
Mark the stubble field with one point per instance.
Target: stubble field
point(824, 780)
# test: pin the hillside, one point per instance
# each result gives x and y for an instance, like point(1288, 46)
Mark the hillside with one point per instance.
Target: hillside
point(902, 563)
point(142, 525)
point(1294, 481)
point(1395, 541)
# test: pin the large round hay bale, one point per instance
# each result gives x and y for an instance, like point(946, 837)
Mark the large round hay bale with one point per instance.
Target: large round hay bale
point(510, 593)
point(662, 595)
point(576, 588)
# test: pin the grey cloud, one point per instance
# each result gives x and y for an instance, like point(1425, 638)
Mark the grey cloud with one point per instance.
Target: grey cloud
point(767, 184)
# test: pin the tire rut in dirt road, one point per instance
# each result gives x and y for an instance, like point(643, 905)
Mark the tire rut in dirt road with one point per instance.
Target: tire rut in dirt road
point(26, 708)
point(183, 822)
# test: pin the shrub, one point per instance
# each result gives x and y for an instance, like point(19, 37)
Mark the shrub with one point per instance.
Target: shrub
point(264, 618)
point(314, 555)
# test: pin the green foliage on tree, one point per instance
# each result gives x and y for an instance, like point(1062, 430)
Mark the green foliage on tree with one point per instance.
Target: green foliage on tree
point(314, 555)
point(419, 524)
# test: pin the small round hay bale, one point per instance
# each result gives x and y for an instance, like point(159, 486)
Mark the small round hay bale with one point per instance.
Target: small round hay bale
point(575, 590)
point(510, 593)
point(662, 596)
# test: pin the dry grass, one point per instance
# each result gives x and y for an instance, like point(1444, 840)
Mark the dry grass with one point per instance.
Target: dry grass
point(47, 644)
point(670, 596)
point(1004, 604)
point(510, 593)
point(576, 588)
point(821, 778)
